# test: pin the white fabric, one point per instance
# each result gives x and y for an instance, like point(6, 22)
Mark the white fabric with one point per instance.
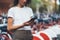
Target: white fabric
point(20, 15)
point(56, 29)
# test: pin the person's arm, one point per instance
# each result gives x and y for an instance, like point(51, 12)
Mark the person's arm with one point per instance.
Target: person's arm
point(30, 22)
point(10, 25)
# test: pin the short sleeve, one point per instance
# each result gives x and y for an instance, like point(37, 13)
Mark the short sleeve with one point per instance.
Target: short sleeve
point(10, 13)
point(31, 12)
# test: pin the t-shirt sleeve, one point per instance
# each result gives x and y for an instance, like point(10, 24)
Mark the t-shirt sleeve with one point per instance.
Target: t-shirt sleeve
point(10, 13)
point(31, 13)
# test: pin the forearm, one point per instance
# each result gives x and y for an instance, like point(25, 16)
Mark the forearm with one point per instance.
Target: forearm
point(29, 23)
point(14, 27)
point(11, 27)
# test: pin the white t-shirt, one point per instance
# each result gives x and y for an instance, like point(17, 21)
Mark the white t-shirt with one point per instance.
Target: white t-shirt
point(20, 15)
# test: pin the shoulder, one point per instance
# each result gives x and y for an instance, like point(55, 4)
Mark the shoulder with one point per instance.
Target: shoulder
point(12, 8)
point(28, 8)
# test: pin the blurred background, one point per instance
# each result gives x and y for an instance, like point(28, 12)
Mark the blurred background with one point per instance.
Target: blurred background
point(38, 6)
point(49, 6)
point(46, 11)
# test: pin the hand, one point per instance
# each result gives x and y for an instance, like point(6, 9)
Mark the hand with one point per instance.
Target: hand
point(29, 23)
point(26, 24)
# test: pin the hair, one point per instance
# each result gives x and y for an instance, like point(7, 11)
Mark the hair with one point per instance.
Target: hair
point(16, 2)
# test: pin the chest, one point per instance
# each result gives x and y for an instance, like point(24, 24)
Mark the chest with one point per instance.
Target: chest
point(22, 14)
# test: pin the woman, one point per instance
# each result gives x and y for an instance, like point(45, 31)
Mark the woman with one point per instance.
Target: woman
point(19, 19)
